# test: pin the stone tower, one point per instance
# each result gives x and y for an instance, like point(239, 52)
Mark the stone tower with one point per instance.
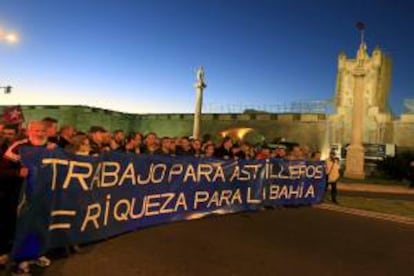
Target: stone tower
point(377, 122)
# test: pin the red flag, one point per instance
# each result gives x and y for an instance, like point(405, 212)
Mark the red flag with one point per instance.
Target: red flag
point(13, 115)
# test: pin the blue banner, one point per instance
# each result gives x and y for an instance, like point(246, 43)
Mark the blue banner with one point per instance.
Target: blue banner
point(71, 199)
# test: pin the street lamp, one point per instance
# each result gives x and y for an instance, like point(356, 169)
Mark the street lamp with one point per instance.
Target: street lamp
point(9, 37)
point(7, 89)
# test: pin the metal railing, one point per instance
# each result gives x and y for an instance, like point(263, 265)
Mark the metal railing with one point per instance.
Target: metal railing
point(293, 107)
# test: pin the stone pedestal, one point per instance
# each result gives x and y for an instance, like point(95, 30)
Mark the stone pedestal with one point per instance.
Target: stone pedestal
point(355, 162)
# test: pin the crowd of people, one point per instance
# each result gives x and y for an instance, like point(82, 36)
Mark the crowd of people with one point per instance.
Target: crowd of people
point(98, 140)
point(45, 133)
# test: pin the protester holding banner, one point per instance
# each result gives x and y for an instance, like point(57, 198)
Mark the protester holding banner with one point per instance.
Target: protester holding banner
point(150, 143)
point(264, 153)
point(96, 137)
point(118, 139)
point(132, 143)
point(51, 125)
point(296, 153)
point(12, 174)
point(66, 133)
point(246, 151)
point(196, 145)
point(106, 141)
point(224, 151)
point(280, 151)
point(236, 151)
point(80, 145)
point(184, 149)
point(165, 146)
point(173, 147)
point(209, 150)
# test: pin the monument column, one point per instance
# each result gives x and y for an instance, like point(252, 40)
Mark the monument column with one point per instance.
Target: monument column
point(199, 85)
point(355, 154)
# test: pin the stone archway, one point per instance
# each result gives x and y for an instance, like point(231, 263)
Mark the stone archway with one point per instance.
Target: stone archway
point(245, 134)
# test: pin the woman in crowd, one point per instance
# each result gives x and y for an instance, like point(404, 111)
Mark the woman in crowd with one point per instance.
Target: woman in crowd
point(333, 175)
point(80, 145)
point(209, 151)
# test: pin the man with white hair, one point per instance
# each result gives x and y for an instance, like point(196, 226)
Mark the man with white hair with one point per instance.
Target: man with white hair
point(12, 174)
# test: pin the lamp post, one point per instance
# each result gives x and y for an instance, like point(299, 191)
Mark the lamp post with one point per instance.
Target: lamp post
point(10, 38)
point(7, 89)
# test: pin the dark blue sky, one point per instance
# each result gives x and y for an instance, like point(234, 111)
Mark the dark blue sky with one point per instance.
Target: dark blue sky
point(141, 56)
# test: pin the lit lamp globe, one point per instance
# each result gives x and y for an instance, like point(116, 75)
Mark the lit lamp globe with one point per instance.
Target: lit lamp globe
point(11, 38)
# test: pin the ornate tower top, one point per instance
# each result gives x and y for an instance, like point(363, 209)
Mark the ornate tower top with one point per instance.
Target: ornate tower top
point(376, 69)
point(362, 54)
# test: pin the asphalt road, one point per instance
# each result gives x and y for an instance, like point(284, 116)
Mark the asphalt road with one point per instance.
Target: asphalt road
point(287, 241)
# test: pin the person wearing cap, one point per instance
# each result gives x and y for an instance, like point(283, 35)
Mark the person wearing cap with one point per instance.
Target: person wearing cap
point(96, 137)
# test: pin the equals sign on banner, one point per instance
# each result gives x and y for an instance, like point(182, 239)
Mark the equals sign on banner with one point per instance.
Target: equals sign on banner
point(61, 213)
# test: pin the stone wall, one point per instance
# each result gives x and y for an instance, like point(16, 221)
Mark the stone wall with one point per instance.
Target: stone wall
point(309, 129)
point(404, 132)
point(81, 117)
point(303, 128)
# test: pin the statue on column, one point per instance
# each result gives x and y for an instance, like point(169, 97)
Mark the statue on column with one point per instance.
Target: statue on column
point(200, 76)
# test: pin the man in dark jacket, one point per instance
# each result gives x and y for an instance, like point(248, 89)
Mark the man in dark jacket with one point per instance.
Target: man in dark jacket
point(224, 151)
point(7, 137)
point(12, 174)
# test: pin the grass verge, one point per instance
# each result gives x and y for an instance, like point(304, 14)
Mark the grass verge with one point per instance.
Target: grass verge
point(387, 206)
point(375, 180)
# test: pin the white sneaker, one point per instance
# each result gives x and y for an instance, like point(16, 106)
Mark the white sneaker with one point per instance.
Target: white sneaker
point(43, 261)
point(4, 259)
point(22, 269)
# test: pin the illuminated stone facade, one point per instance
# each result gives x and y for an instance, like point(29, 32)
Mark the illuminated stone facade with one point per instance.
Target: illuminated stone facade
point(378, 121)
